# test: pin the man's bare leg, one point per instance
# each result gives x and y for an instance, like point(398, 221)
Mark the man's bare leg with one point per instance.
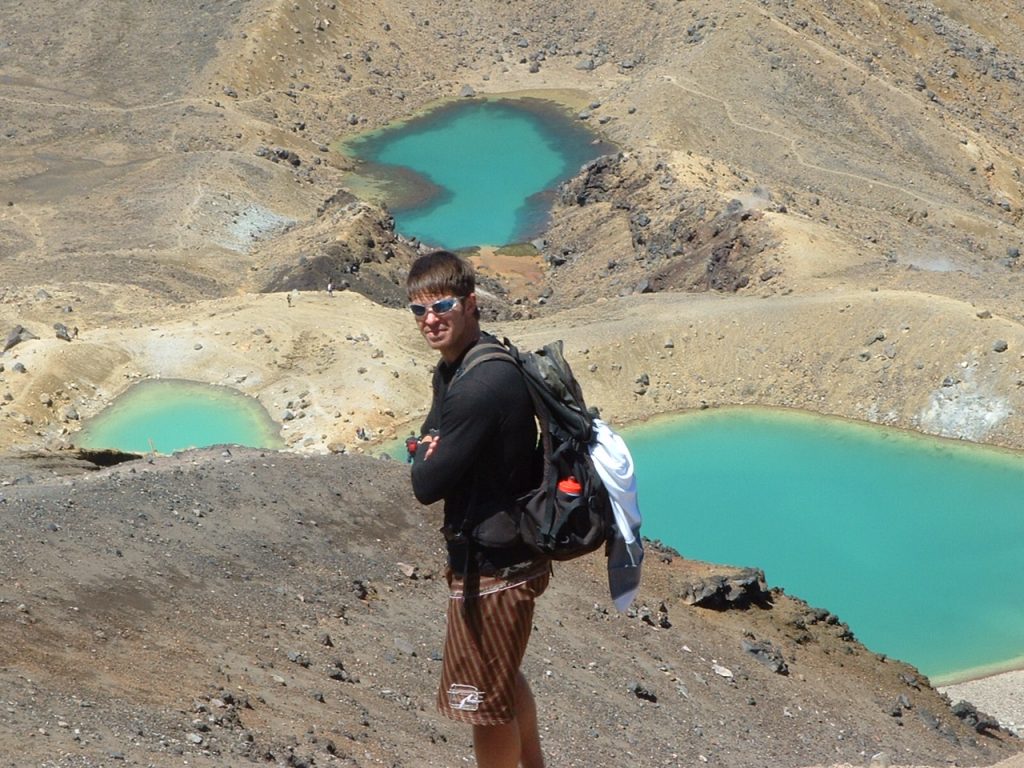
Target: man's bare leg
point(497, 746)
point(514, 743)
point(526, 716)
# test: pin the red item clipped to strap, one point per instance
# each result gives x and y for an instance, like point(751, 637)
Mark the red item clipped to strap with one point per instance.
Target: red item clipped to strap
point(570, 486)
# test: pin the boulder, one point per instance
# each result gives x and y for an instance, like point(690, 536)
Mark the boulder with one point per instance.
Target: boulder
point(17, 335)
point(724, 591)
point(766, 654)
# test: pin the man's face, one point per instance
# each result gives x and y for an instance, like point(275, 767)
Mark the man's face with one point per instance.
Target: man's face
point(449, 332)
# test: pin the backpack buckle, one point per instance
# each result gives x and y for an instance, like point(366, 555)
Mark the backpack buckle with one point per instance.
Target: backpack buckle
point(453, 536)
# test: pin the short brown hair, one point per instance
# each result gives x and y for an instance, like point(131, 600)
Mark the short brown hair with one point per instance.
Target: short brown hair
point(440, 272)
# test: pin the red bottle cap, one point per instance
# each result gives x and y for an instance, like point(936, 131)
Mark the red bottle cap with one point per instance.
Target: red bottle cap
point(571, 486)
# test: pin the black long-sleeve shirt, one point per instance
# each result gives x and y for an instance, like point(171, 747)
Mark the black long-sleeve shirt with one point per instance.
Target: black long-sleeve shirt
point(487, 454)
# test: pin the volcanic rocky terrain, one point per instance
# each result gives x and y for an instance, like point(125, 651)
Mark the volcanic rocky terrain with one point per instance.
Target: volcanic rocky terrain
point(812, 205)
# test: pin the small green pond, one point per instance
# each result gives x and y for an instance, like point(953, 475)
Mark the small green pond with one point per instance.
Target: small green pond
point(169, 415)
point(476, 172)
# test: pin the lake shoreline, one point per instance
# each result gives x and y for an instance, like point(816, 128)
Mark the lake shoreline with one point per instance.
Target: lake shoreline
point(1000, 695)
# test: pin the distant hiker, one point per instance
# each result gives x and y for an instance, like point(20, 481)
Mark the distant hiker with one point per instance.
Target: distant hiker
point(412, 443)
point(478, 453)
point(288, 296)
point(330, 288)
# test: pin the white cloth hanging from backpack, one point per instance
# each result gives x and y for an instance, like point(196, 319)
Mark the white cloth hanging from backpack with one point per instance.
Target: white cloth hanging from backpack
point(614, 464)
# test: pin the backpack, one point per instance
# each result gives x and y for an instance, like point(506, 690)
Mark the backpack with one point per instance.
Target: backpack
point(559, 519)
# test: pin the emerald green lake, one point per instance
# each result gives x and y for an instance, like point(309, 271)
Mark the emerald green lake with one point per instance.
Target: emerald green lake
point(477, 172)
point(172, 415)
point(917, 543)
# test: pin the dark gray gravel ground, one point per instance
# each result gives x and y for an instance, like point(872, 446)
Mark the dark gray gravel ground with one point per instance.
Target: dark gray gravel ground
point(235, 607)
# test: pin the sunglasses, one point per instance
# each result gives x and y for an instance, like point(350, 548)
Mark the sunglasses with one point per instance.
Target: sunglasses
point(439, 307)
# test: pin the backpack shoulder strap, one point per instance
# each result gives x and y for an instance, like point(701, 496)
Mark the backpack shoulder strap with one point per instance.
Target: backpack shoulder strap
point(481, 353)
point(492, 350)
point(506, 351)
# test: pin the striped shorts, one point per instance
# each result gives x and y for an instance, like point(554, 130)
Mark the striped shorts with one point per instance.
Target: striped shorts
point(485, 643)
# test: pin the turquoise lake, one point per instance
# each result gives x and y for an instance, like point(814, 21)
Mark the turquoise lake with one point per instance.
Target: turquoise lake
point(477, 172)
point(172, 415)
point(915, 542)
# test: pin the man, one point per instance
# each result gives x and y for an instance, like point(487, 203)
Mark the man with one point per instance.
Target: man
point(478, 453)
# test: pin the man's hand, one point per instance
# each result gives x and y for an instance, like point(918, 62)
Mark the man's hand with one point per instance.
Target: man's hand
point(431, 441)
